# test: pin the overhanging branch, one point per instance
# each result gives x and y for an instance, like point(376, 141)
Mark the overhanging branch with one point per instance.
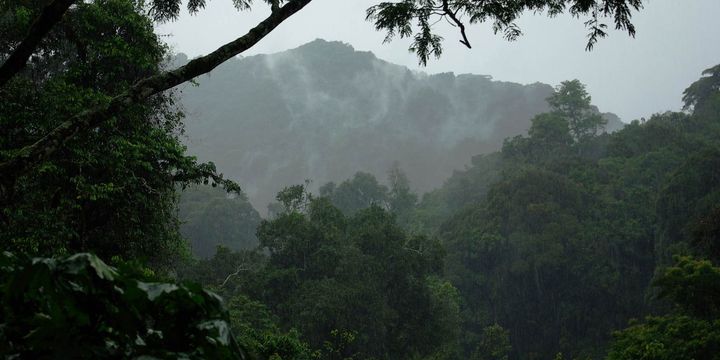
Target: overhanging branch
point(88, 119)
point(454, 18)
point(50, 16)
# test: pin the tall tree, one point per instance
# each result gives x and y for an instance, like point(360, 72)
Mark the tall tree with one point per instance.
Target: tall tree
point(401, 199)
point(353, 195)
point(703, 92)
point(112, 190)
point(210, 218)
point(572, 102)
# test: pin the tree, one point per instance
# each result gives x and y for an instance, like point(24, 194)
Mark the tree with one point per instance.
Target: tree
point(703, 92)
point(572, 102)
point(495, 344)
point(692, 331)
point(112, 190)
point(693, 286)
point(550, 131)
point(706, 234)
point(353, 195)
point(401, 199)
point(689, 195)
point(210, 218)
point(548, 139)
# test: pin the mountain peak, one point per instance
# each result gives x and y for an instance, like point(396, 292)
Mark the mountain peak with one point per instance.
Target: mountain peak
point(325, 110)
point(324, 45)
point(321, 51)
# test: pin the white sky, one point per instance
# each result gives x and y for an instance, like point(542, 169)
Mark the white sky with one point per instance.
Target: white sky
point(676, 40)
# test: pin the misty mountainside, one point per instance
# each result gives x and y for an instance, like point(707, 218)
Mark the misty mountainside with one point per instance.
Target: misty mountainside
point(324, 111)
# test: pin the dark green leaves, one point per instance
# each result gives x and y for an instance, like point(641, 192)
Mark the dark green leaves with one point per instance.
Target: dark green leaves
point(79, 307)
point(693, 332)
point(168, 10)
point(703, 90)
point(572, 102)
point(165, 10)
point(415, 18)
point(693, 285)
point(110, 190)
point(394, 18)
point(668, 338)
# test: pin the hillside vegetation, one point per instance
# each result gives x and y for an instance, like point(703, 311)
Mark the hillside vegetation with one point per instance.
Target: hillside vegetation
point(324, 111)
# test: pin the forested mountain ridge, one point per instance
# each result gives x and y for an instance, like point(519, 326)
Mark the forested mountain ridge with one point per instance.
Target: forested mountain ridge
point(547, 247)
point(323, 111)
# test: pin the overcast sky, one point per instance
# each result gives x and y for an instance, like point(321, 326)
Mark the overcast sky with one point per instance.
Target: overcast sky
point(676, 40)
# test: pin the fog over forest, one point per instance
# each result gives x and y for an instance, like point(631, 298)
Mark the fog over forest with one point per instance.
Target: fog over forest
point(630, 76)
point(324, 111)
point(360, 180)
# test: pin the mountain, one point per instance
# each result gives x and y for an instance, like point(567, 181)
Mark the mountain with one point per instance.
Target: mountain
point(324, 111)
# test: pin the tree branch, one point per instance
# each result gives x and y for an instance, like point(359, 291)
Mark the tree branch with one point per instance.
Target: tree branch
point(236, 273)
point(50, 16)
point(453, 16)
point(88, 119)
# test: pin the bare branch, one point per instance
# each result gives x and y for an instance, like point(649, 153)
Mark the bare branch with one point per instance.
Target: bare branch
point(236, 273)
point(50, 16)
point(453, 16)
point(417, 251)
point(88, 119)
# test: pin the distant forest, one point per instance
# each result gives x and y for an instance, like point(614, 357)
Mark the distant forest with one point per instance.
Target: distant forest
point(324, 111)
point(544, 249)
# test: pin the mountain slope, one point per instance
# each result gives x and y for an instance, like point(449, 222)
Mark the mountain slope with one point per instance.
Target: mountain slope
point(324, 111)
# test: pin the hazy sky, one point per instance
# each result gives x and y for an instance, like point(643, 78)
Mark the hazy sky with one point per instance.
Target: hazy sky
point(676, 40)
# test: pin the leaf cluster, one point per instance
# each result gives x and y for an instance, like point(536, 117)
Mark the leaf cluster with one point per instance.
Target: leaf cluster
point(79, 307)
point(416, 18)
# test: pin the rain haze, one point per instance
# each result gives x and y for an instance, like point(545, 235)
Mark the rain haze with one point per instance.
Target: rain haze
point(630, 77)
point(167, 192)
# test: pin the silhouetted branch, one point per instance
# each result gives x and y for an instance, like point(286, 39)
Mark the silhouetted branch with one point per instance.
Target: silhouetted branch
point(50, 16)
point(236, 273)
point(453, 16)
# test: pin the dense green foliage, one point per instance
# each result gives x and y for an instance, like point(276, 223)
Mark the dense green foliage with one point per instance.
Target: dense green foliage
point(691, 331)
point(363, 191)
point(560, 221)
point(328, 273)
point(210, 217)
point(668, 338)
point(111, 191)
point(78, 307)
point(556, 224)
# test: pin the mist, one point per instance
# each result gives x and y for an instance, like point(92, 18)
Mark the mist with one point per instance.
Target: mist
point(324, 111)
point(631, 77)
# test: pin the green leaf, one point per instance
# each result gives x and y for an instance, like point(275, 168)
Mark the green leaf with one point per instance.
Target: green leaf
point(154, 290)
